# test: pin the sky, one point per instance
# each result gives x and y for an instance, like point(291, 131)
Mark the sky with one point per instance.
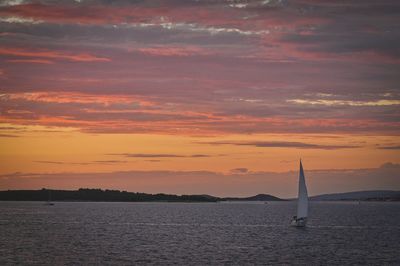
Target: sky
point(200, 97)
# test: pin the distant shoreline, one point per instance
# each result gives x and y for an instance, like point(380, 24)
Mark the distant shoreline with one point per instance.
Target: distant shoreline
point(99, 195)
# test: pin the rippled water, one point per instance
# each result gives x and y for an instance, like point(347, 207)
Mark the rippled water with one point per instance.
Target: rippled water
point(340, 233)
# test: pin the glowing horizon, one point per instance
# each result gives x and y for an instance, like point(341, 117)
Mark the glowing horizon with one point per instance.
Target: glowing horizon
point(228, 93)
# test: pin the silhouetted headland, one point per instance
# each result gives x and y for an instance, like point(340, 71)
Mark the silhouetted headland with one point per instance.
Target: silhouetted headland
point(259, 197)
point(369, 195)
point(85, 194)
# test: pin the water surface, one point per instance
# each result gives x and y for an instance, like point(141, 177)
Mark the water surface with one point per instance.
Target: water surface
point(339, 233)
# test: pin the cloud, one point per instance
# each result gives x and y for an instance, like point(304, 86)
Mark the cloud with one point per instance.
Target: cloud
point(147, 155)
point(82, 163)
point(49, 162)
point(138, 113)
point(239, 171)
point(127, 113)
point(199, 155)
point(390, 165)
point(11, 2)
point(76, 97)
point(34, 61)
point(187, 17)
point(288, 161)
point(158, 155)
point(20, 20)
point(8, 136)
point(351, 31)
point(397, 147)
point(59, 162)
point(239, 5)
point(345, 102)
point(110, 161)
point(173, 51)
point(7, 51)
point(281, 144)
point(201, 67)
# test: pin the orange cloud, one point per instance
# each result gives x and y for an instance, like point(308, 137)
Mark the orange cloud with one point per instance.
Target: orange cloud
point(51, 54)
point(34, 61)
point(75, 97)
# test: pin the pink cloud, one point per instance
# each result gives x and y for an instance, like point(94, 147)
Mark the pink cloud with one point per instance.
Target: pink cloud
point(134, 114)
point(173, 51)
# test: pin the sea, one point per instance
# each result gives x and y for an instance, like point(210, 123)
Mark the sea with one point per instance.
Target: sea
point(229, 233)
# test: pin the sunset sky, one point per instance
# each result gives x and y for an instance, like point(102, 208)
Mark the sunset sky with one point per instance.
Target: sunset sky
point(196, 96)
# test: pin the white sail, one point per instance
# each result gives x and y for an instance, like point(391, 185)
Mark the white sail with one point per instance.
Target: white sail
point(302, 200)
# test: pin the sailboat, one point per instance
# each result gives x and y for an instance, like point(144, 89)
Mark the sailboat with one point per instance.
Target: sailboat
point(300, 219)
point(48, 202)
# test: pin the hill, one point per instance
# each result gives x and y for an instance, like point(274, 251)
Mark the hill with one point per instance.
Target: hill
point(371, 195)
point(259, 197)
point(97, 195)
point(85, 194)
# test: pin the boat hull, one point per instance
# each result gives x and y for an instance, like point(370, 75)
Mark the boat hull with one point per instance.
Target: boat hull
point(299, 222)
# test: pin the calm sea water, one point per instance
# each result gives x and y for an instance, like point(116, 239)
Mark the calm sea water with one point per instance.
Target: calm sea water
point(198, 234)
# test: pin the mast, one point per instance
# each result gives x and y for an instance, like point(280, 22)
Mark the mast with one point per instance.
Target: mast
point(302, 200)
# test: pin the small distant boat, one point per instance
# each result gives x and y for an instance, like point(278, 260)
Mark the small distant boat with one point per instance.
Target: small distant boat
point(48, 202)
point(300, 220)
